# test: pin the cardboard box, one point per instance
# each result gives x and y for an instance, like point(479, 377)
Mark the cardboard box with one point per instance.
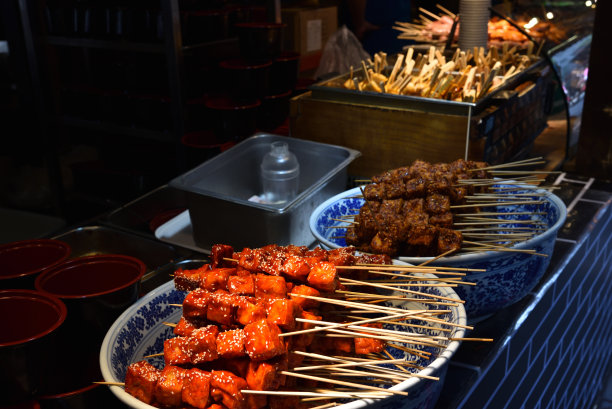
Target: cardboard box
point(308, 29)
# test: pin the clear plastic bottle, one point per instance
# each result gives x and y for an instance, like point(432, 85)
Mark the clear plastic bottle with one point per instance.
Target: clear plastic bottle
point(280, 174)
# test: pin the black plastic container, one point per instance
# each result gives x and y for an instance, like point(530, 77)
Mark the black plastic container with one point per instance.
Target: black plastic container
point(284, 72)
point(274, 111)
point(260, 41)
point(201, 146)
point(31, 323)
point(202, 26)
point(233, 120)
point(246, 79)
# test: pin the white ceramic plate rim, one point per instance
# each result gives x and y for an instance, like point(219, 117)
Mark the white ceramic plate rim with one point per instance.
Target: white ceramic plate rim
point(106, 346)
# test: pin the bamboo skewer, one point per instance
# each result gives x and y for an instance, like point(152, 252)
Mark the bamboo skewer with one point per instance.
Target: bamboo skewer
point(338, 382)
point(317, 329)
point(494, 203)
point(488, 222)
point(352, 363)
point(379, 392)
point(485, 215)
point(325, 395)
point(439, 297)
point(412, 269)
point(361, 330)
point(493, 247)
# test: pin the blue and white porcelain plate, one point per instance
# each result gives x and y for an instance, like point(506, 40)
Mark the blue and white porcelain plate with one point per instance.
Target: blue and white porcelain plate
point(509, 276)
point(140, 331)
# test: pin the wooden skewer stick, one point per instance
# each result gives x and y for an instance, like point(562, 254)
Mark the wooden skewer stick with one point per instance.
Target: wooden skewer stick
point(499, 213)
point(497, 204)
point(338, 382)
point(411, 269)
point(415, 341)
point(509, 194)
point(366, 296)
point(343, 221)
point(493, 247)
point(425, 19)
point(411, 277)
point(429, 13)
point(489, 222)
point(352, 363)
point(330, 394)
point(531, 230)
point(474, 220)
point(371, 308)
point(401, 368)
point(402, 375)
point(525, 162)
point(409, 350)
point(481, 249)
point(406, 324)
point(364, 331)
point(404, 284)
point(396, 68)
point(110, 383)
point(438, 297)
point(353, 372)
point(448, 12)
point(446, 253)
point(346, 324)
point(325, 406)
point(524, 172)
point(500, 181)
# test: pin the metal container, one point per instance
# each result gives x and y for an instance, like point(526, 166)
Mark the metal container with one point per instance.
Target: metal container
point(218, 193)
point(332, 90)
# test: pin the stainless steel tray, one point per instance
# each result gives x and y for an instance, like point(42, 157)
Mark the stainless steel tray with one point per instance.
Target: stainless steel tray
point(218, 193)
point(330, 90)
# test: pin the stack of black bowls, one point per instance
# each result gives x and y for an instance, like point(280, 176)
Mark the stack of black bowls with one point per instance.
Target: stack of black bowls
point(253, 92)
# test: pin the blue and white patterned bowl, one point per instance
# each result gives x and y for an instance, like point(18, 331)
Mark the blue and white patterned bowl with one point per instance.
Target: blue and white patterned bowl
point(509, 276)
point(140, 331)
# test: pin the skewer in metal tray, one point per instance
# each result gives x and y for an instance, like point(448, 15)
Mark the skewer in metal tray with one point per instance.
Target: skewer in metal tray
point(332, 89)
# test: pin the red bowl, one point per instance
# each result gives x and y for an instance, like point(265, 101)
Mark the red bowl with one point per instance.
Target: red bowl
point(91, 276)
point(274, 111)
point(284, 72)
point(200, 26)
point(31, 322)
point(201, 146)
point(246, 79)
point(21, 261)
point(96, 290)
point(233, 120)
point(92, 396)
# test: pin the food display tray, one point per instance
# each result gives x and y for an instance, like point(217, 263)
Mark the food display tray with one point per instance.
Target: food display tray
point(218, 193)
point(332, 90)
point(394, 131)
